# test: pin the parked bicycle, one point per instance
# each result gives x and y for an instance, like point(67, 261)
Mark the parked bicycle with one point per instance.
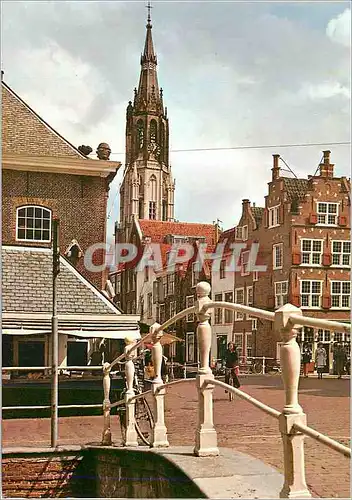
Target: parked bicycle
point(143, 414)
point(251, 367)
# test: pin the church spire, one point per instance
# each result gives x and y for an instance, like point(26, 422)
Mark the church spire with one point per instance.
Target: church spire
point(148, 97)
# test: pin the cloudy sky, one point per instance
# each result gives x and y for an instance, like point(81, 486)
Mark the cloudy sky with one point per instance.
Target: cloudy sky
point(233, 73)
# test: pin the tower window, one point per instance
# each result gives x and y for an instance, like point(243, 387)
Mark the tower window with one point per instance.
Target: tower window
point(152, 210)
point(33, 223)
point(140, 134)
point(153, 129)
point(140, 209)
point(164, 210)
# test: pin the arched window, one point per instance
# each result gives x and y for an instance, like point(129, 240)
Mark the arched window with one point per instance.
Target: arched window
point(33, 223)
point(140, 134)
point(152, 188)
point(153, 198)
point(152, 131)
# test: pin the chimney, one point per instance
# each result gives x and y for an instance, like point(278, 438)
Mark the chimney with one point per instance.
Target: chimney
point(276, 169)
point(326, 168)
point(246, 204)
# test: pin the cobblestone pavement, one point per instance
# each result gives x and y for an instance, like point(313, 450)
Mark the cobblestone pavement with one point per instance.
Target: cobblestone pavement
point(239, 425)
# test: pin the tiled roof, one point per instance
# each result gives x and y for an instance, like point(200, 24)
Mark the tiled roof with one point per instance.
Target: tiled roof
point(25, 132)
point(258, 213)
point(27, 285)
point(295, 188)
point(158, 230)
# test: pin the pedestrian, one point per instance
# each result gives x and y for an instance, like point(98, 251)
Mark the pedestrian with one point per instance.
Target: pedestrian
point(306, 358)
point(320, 359)
point(340, 359)
point(231, 365)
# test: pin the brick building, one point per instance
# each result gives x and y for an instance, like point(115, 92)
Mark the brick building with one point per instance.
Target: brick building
point(303, 233)
point(44, 176)
point(156, 294)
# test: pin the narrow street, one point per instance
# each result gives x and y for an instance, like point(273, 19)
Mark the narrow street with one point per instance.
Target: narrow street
point(239, 426)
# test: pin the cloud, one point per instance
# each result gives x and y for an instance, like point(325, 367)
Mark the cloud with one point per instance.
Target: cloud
point(339, 28)
point(233, 74)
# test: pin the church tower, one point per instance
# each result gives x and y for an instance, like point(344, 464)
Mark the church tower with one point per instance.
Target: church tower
point(147, 189)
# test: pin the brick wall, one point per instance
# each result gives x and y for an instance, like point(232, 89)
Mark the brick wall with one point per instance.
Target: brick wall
point(41, 475)
point(78, 201)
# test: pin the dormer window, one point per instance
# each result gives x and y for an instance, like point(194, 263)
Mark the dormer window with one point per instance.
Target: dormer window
point(33, 223)
point(273, 216)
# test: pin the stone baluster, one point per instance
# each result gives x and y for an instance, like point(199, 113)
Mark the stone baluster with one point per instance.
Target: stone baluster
point(131, 433)
point(295, 485)
point(106, 439)
point(206, 437)
point(159, 438)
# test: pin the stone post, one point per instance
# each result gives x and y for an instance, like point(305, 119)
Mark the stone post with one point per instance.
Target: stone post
point(131, 433)
point(106, 439)
point(295, 485)
point(206, 437)
point(159, 437)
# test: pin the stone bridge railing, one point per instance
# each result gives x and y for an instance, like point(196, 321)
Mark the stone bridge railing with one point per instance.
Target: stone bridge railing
point(292, 419)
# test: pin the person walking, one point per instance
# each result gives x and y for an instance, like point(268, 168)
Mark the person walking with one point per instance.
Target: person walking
point(320, 359)
point(231, 365)
point(340, 359)
point(306, 358)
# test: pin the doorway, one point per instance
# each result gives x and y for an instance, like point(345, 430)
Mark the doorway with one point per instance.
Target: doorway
point(221, 343)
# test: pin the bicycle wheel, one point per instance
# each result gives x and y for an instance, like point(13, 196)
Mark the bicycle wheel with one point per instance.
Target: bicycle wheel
point(257, 368)
point(144, 421)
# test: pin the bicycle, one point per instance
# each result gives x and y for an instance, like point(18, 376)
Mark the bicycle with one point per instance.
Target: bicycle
point(143, 415)
point(231, 372)
point(255, 368)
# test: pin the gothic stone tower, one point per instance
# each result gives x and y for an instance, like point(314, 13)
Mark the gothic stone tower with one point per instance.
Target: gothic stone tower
point(147, 189)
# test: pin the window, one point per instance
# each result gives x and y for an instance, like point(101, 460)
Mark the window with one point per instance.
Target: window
point(118, 285)
point(238, 343)
point(324, 335)
point(190, 347)
point(195, 274)
point(150, 305)
point(218, 311)
point(244, 263)
point(273, 216)
point(171, 284)
point(312, 251)
point(33, 224)
point(242, 233)
point(172, 308)
point(222, 269)
point(152, 210)
point(249, 301)
point(164, 284)
point(239, 299)
point(155, 292)
point(341, 253)
point(146, 273)
point(310, 293)
point(338, 337)
point(228, 314)
point(340, 294)
point(190, 303)
point(248, 345)
point(278, 256)
point(327, 214)
point(162, 314)
point(281, 293)
point(254, 324)
point(255, 276)
point(133, 280)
